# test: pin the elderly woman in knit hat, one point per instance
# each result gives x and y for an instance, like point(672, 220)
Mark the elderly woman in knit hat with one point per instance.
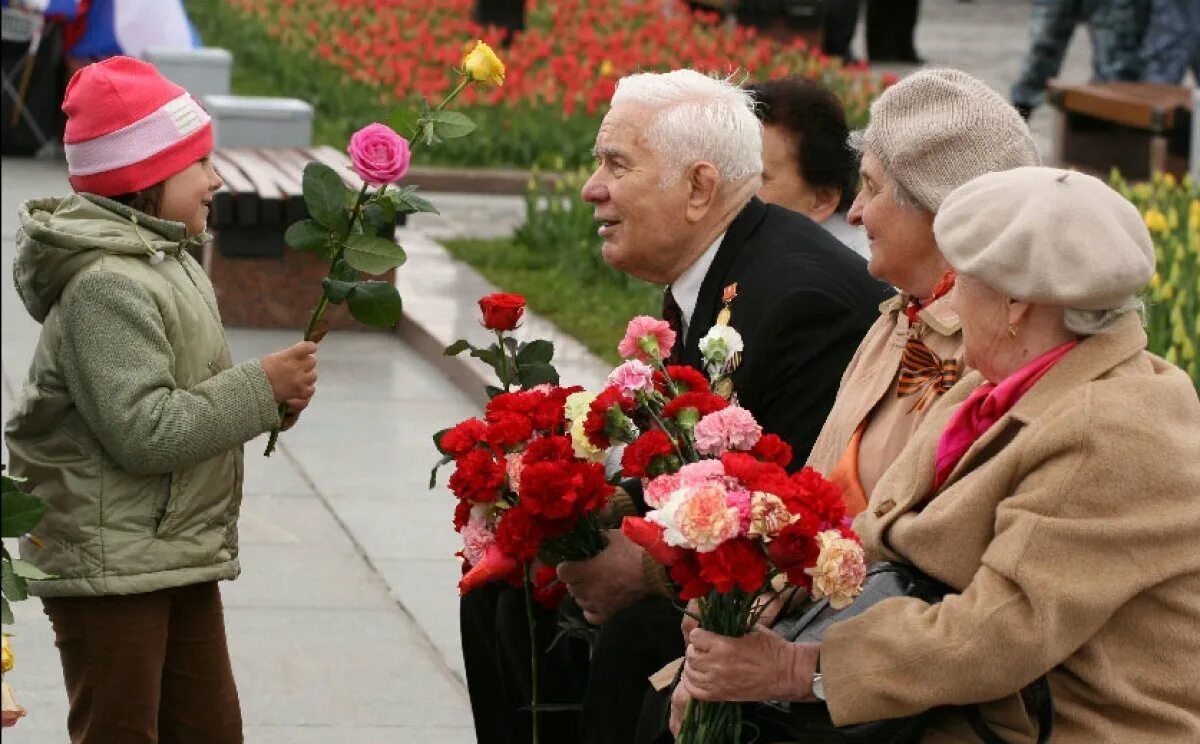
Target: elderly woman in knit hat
point(1053, 490)
point(930, 133)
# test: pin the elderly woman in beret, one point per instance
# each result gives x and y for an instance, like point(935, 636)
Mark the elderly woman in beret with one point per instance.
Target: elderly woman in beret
point(1059, 500)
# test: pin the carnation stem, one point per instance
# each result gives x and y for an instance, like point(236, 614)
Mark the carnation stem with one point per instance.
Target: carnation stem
point(319, 311)
point(533, 651)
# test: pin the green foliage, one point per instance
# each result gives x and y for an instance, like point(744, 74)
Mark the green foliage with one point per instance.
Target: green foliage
point(593, 310)
point(19, 513)
point(1171, 210)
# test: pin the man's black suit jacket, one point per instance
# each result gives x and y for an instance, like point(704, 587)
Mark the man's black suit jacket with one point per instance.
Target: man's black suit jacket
point(804, 302)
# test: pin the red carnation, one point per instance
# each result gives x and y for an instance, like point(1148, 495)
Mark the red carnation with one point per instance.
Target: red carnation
point(687, 379)
point(818, 495)
point(549, 415)
point(685, 572)
point(596, 425)
point(507, 430)
point(771, 448)
point(650, 537)
point(495, 565)
point(556, 490)
point(463, 437)
point(462, 514)
point(647, 456)
point(548, 449)
point(793, 550)
point(548, 591)
point(478, 476)
point(738, 562)
point(703, 402)
point(517, 534)
point(502, 312)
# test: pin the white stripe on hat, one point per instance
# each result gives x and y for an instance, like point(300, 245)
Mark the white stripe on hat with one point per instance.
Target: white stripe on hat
point(173, 122)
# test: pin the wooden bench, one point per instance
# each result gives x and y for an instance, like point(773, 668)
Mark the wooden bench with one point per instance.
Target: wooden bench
point(1139, 128)
point(259, 281)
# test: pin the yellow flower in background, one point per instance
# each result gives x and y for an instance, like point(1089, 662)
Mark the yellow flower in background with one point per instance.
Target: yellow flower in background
point(1155, 221)
point(1169, 180)
point(6, 655)
point(606, 68)
point(483, 66)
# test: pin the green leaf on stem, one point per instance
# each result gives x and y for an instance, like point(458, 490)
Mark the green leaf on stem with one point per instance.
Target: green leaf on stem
point(377, 304)
point(379, 218)
point(433, 474)
point(437, 440)
point(492, 391)
point(489, 356)
point(307, 235)
point(337, 290)
point(457, 347)
point(451, 124)
point(325, 196)
point(11, 585)
point(404, 122)
point(6, 615)
point(20, 512)
point(537, 373)
point(27, 570)
point(536, 352)
point(408, 202)
point(373, 255)
point(343, 271)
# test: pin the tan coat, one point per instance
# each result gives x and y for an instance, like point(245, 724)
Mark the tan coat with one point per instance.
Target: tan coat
point(868, 390)
point(1071, 531)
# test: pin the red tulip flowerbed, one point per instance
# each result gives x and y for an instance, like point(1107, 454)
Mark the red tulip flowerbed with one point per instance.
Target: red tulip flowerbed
point(560, 72)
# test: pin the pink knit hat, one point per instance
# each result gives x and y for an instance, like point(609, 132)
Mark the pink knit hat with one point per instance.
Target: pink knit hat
point(128, 127)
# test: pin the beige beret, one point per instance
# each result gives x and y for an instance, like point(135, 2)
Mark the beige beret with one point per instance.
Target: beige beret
point(937, 129)
point(1048, 236)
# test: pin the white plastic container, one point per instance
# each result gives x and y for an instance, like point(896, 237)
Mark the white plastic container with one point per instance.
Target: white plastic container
point(201, 72)
point(250, 121)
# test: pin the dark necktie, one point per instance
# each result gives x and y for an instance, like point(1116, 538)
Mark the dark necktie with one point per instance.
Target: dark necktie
point(674, 317)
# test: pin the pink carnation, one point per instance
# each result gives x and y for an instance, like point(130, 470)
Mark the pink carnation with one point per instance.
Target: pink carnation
point(513, 468)
point(732, 428)
point(476, 539)
point(651, 332)
point(705, 518)
point(657, 491)
point(740, 500)
point(699, 473)
point(379, 155)
point(632, 376)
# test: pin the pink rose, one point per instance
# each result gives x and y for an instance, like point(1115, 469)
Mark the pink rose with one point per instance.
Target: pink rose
point(732, 428)
point(380, 156)
point(632, 376)
point(647, 338)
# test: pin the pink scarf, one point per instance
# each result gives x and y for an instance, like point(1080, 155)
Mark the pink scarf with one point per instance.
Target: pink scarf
point(985, 406)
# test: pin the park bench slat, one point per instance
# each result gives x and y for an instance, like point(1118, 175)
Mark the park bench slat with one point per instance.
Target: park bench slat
point(238, 205)
point(262, 174)
point(289, 165)
point(337, 160)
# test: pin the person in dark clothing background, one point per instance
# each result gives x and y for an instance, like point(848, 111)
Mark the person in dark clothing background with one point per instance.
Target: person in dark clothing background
point(891, 31)
point(508, 15)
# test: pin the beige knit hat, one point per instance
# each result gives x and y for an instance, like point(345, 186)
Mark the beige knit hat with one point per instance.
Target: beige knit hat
point(937, 129)
point(1048, 236)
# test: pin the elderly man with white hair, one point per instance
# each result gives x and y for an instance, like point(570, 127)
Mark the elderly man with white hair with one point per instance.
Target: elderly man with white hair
point(679, 159)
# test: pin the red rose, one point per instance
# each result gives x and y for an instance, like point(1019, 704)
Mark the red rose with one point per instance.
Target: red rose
point(650, 537)
point(704, 402)
point(771, 448)
point(685, 572)
point(463, 437)
point(738, 562)
point(502, 312)
point(478, 476)
point(792, 551)
point(647, 456)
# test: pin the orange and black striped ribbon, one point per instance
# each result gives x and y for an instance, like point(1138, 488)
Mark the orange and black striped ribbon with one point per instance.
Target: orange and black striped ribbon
point(924, 374)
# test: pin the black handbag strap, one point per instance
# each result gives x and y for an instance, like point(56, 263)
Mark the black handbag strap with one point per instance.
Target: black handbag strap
point(1038, 694)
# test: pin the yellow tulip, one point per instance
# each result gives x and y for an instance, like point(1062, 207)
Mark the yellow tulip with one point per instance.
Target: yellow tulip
point(1169, 180)
point(1155, 221)
point(483, 66)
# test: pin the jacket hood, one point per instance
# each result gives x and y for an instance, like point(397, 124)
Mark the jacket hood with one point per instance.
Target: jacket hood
point(59, 237)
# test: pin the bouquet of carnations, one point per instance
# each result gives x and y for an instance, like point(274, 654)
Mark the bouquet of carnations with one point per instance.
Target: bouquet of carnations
point(725, 517)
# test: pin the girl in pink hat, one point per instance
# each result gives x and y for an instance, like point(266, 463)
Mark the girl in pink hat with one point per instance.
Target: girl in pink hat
point(132, 421)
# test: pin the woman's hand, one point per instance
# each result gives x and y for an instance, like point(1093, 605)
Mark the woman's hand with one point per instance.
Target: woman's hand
point(758, 666)
point(680, 697)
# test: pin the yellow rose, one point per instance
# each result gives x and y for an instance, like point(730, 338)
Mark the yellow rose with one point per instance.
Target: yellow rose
point(6, 656)
point(1155, 221)
point(483, 66)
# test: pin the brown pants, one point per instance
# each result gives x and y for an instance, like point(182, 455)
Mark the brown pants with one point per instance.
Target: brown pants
point(147, 668)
